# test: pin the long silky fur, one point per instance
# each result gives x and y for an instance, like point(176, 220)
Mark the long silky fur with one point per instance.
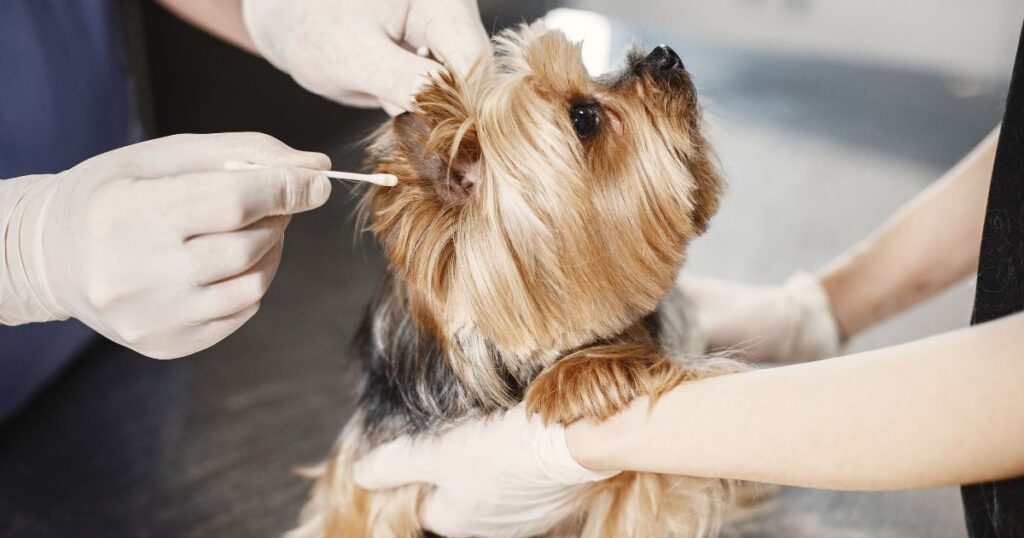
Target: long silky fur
point(527, 264)
point(339, 508)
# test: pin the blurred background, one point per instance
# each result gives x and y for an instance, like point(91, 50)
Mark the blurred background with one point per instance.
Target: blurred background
point(827, 116)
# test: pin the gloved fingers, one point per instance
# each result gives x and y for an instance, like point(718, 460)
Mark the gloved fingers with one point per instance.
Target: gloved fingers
point(163, 338)
point(702, 290)
point(399, 75)
point(220, 328)
point(225, 201)
point(237, 293)
point(454, 34)
point(396, 463)
point(390, 109)
point(731, 316)
point(198, 339)
point(787, 323)
point(266, 150)
point(357, 99)
point(215, 257)
point(189, 153)
point(446, 516)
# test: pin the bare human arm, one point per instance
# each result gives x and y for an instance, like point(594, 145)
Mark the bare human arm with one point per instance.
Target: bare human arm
point(929, 244)
point(221, 18)
point(926, 246)
point(939, 411)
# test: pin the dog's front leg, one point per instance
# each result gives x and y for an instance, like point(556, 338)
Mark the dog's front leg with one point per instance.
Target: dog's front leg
point(599, 381)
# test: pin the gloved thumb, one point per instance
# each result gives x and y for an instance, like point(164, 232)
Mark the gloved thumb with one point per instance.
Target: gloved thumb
point(444, 516)
point(396, 463)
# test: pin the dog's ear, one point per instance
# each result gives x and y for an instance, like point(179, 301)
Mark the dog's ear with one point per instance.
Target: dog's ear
point(450, 174)
point(709, 189)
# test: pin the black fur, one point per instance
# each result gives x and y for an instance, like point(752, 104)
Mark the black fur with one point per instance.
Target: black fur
point(407, 385)
point(652, 323)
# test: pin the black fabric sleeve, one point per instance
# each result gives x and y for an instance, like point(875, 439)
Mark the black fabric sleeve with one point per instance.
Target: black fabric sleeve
point(996, 510)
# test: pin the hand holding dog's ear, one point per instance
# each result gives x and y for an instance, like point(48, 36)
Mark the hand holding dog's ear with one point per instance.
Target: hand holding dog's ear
point(506, 476)
point(360, 52)
point(788, 323)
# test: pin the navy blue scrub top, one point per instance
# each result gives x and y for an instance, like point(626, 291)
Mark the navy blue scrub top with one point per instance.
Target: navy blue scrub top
point(65, 96)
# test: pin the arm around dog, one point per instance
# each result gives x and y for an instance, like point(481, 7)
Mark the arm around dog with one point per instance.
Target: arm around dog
point(944, 410)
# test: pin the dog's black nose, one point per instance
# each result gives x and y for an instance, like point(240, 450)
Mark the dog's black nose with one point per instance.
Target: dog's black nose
point(662, 60)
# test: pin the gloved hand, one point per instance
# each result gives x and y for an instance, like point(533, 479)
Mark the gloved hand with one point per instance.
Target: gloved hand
point(506, 476)
point(788, 323)
point(359, 52)
point(155, 245)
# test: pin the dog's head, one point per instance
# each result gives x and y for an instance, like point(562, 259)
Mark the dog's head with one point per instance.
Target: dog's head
point(538, 205)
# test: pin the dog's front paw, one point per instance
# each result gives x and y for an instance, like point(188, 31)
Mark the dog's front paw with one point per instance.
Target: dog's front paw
point(599, 381)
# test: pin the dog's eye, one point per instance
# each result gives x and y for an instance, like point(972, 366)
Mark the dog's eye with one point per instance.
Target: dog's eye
point(586, 119)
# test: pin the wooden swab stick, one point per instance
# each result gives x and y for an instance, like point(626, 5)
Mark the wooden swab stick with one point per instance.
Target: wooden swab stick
point(385, 180)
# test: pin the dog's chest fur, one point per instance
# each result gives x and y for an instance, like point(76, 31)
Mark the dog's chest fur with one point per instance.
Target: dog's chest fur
point(408, 387)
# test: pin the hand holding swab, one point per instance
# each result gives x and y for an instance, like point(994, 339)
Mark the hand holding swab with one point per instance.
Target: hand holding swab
point(384, 180)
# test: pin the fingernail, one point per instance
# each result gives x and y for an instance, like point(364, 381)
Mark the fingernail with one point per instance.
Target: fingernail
point(323, 161)
point(319, 191)
point(392, 110)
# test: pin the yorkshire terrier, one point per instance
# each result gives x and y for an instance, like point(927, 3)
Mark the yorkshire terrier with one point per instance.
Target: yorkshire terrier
point(538, 224)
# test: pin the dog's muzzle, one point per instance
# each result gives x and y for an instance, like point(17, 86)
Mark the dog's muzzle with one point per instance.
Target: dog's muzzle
point(662, 61)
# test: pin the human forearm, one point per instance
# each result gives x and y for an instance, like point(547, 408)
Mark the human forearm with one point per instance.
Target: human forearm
point(222, 18)
point(929, 244)
point(944, 410)
point(932, 242)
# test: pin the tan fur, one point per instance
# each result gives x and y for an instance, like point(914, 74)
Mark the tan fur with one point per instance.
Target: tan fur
point(340, 508)
point(525, 251)
point(537, 198)
point(597, 382)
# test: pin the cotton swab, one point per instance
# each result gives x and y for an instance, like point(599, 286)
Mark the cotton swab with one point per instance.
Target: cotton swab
point(384, 180)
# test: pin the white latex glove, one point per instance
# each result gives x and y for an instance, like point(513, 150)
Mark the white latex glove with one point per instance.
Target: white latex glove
point(155, 245)
point(507, 476)
point(360, 52)
point(788, 323)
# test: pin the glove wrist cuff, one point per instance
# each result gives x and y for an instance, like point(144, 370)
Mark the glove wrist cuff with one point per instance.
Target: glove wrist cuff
point(254, 11)
point(25, 294)
point(556, 460)
point(815, 332)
